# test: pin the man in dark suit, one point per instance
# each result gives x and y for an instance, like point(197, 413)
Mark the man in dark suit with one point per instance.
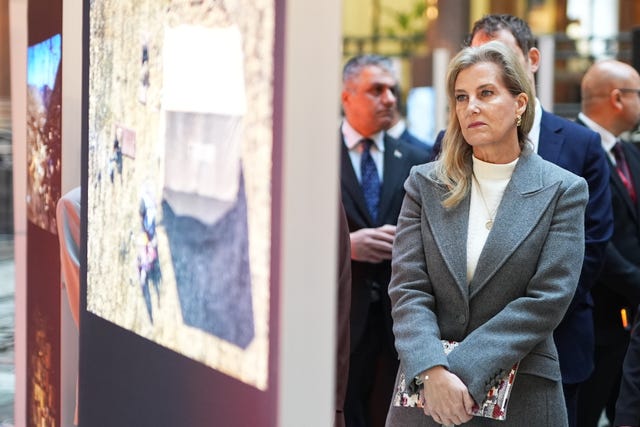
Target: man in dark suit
point(374, 168)
point(611, 106)
point(628, 404)
point(578, 150)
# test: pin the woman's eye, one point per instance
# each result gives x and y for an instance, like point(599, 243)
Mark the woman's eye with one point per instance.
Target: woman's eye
point(461, 98)
point(486, 92)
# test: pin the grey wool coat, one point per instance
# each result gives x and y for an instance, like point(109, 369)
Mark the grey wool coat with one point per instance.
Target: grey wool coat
point(524, 281)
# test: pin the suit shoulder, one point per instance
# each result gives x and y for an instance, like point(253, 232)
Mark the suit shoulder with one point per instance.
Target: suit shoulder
point(420, 154)
point(579, 133)
point(414, 140)
point(416, 154)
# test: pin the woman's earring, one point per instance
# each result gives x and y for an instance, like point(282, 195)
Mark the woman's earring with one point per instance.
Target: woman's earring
point(518, 121)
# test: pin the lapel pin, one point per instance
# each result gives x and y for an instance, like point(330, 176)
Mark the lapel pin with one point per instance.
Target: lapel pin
point(398, 154)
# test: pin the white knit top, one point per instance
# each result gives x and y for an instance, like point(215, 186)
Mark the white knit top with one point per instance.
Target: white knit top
point(493, 179)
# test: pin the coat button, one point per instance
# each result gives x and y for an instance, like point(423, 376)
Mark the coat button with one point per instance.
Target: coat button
point(462, 318)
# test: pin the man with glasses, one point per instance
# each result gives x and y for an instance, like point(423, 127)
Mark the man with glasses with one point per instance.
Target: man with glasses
point(610, 106)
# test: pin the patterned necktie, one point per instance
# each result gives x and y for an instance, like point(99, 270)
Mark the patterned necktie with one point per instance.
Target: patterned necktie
point(370, 181)
point(623, 170)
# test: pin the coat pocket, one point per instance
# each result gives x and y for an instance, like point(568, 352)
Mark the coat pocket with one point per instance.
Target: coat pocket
point(541, 364)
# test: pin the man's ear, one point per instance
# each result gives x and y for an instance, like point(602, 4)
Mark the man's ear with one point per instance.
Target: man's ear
point(344, 96)
point(534, 59)
point(615, 98)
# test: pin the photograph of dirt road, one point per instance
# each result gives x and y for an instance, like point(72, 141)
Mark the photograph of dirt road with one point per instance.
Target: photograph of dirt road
point(43, 132)
point(179, 176)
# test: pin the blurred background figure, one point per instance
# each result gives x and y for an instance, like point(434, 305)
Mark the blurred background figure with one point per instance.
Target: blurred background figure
point(68, 216)
point(610, 106)
point(373, 169)
point(68, 223)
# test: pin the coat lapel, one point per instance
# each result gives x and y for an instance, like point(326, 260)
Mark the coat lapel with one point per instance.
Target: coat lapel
point(393, 176)
point(618, 186)
point(449, 230)
point(617, 183)
point(524, 202)
point(550, 142)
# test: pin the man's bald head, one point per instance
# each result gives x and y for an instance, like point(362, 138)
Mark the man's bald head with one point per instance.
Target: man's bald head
point(611, 95)
point(605, 76)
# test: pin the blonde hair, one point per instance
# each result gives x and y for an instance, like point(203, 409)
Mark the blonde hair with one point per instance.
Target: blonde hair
point(454, 166)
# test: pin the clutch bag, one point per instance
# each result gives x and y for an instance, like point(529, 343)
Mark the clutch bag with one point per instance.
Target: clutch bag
point(494, 405)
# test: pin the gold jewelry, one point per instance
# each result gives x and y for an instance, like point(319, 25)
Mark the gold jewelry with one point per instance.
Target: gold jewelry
point(518, 121)
point(489, 223)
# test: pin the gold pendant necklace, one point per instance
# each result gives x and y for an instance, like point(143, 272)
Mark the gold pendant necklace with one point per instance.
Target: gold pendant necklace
point(489, 222)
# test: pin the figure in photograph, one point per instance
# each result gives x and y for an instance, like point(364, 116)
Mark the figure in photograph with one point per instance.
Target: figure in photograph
point(611, 106)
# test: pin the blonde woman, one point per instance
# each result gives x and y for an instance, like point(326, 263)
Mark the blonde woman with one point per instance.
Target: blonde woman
point(488, 252)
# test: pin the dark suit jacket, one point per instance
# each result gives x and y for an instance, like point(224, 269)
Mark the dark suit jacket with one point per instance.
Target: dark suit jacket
point(578, 150)
point(399, 157)
point(628, 404)
point(619, 283)
point(415, 141)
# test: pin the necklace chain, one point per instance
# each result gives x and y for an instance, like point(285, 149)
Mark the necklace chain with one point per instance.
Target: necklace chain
point(488, 223)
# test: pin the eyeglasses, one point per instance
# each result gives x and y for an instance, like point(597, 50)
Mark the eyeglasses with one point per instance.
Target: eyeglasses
point(626, 89)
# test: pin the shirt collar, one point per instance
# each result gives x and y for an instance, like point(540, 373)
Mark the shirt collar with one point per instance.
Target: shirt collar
point(534, 133)
point(608, 139)
point(352, 137)
point(397, 129)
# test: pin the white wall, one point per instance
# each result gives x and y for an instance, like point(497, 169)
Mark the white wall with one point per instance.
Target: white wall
point(309, 212)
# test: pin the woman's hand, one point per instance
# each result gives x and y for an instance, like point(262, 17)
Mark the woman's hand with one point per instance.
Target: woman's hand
point(447, 399)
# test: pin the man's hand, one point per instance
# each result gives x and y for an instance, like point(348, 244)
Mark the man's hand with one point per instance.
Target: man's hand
point(447, 399)
point(372, 244)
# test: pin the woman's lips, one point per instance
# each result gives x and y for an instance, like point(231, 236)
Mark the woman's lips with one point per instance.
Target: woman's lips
point(475, 125)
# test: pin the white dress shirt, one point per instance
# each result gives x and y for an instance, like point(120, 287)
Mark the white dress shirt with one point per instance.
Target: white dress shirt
point(352, 139)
